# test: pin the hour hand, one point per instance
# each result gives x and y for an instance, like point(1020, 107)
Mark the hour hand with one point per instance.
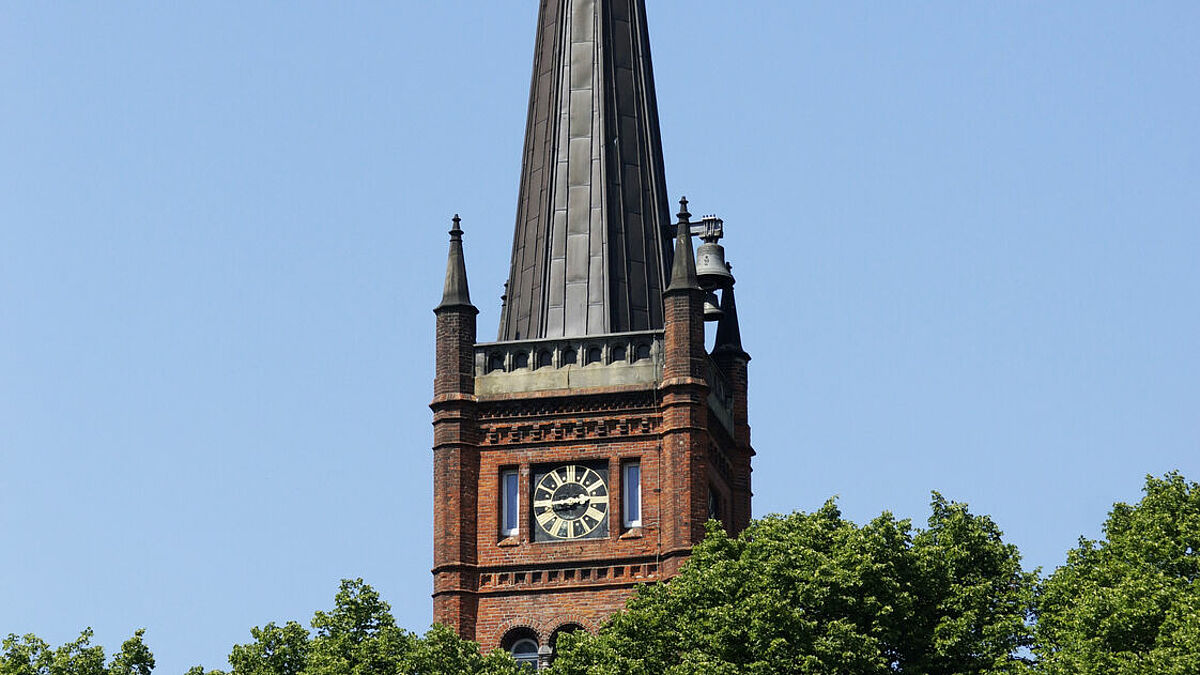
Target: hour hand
point(568, 502)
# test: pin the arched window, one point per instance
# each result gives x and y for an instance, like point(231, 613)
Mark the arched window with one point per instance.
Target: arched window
point(525, 651)
point(565, 628)
point(642, 352)
point(522, 643)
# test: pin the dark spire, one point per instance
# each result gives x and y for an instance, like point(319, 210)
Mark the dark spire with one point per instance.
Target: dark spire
point(683, 272)
point(590, 249)
point(456, 293)
point(729, 334)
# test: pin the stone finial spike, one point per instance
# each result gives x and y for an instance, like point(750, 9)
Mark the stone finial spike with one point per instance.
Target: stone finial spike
point(729, 334)
point(455, 293)
point(683, 269)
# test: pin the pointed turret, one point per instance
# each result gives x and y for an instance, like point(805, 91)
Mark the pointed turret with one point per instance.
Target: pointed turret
point(591, 245)
point(455, 454)
point(729, 333)
point(683, 271)
point(455, 292)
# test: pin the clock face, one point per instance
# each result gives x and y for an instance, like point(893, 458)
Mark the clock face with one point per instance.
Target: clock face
point(570, 502)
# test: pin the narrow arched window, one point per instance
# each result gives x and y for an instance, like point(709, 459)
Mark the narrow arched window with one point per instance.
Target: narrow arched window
point(525, 651)
point(523, 644)
point(631, 494)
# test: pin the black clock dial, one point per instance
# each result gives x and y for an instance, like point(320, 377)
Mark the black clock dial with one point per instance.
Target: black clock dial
point(570, 502)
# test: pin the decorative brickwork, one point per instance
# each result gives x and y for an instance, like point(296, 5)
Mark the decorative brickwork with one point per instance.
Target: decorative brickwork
point(488, 584)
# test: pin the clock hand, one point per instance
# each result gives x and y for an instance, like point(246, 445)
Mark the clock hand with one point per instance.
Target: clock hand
point(569, 501)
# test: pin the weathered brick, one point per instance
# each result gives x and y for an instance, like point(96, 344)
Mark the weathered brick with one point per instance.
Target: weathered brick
point(486, 585)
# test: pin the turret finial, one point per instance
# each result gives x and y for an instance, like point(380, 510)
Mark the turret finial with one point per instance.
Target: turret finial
point(455, 292)
point(683, 270)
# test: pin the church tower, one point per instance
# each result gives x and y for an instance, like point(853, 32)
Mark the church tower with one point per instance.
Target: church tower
point(582, 453)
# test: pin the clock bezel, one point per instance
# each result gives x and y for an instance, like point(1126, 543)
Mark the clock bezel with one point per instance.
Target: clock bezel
point(600, 530)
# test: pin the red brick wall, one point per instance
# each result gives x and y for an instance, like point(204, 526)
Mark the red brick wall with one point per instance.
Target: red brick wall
point(455, 470)
point(485, 584)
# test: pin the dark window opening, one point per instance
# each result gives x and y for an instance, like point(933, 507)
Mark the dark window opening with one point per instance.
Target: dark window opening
point(565, 628)
point(522, 643)
point(715, 507)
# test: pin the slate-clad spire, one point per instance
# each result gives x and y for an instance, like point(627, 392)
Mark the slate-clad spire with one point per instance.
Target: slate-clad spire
point(455, 292)
point(590, 250)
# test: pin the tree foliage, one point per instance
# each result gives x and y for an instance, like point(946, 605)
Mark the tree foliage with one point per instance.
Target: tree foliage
point(1130, 602)
point(815, 593)
point(30, 655)
point(359, 636)
point(806, 593)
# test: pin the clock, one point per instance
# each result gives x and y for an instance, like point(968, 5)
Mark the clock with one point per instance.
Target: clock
point(570, 502)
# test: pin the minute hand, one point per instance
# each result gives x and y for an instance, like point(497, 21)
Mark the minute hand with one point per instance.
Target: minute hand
point(567, 502)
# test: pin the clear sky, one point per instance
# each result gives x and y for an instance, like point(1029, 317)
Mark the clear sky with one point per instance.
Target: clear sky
point(966, 238)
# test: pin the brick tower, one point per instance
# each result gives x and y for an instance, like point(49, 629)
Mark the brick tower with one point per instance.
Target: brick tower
point(582, 453)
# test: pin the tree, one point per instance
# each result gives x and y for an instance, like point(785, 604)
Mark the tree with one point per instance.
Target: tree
point(815, 593)
point(359, 636)
point(1130, 602)
point(30, 655)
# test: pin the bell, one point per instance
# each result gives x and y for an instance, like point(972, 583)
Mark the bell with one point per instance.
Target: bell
point(712, 308)
point(711, 271)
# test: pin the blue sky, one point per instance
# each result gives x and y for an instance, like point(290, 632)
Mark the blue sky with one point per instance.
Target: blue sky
point(965, 236)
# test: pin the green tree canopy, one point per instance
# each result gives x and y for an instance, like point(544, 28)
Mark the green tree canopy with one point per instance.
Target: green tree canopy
point(359, 636)
point(1129, 604)
point(815, 593)
point(30, 655)
point(807, 593)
